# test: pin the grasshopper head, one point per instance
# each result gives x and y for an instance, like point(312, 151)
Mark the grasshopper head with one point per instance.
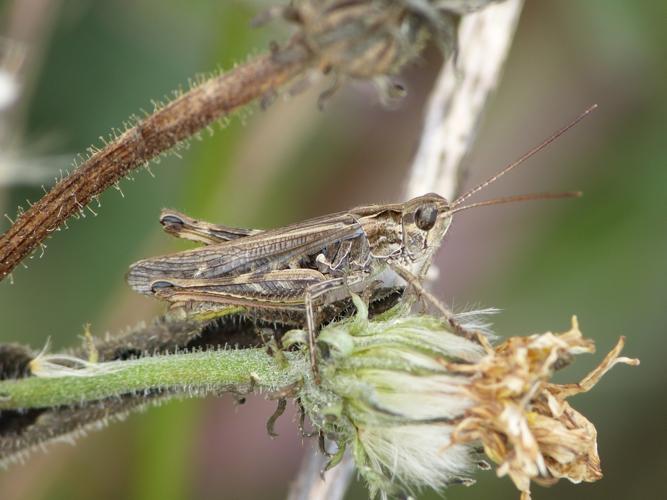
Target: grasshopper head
point(425, 221)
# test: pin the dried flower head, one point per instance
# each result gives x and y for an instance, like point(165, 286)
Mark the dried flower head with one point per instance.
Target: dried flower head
point(359, 39)
point(523, 421)
point(415, 402)
point(372, 39)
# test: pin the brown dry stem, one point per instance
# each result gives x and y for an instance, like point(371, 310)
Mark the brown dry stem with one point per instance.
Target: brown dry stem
point(155, 134)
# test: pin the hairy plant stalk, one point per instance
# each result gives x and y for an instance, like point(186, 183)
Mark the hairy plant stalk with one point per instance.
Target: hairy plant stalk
point(218, 371)
point(23, 429)
point(153, 135)
point(46, 398)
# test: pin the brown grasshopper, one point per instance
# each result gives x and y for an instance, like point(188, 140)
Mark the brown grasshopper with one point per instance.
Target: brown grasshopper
point(297, 270)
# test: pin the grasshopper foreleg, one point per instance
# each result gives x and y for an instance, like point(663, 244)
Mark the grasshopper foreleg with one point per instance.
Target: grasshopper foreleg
point(447, 313)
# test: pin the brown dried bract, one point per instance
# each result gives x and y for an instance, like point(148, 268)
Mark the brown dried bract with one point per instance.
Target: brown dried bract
point(359, 39)
point(523, 421)
point(369, 38)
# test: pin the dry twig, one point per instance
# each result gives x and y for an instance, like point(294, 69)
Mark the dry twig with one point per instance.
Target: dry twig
point(153, 135)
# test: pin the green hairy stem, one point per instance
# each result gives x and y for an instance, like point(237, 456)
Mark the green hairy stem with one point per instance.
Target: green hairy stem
point(217, 371)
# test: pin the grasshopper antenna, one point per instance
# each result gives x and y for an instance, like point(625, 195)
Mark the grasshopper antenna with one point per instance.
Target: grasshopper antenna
point(523, 158)
point(520, 197)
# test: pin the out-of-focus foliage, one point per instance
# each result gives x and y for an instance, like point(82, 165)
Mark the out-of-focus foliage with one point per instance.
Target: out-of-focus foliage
point(601, 257)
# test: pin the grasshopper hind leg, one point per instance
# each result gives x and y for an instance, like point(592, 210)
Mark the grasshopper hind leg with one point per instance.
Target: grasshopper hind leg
point(181, 226)
point(314, 298)
point(310, 329)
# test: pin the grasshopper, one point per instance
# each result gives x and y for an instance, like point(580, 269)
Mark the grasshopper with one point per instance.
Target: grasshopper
point(297, 270)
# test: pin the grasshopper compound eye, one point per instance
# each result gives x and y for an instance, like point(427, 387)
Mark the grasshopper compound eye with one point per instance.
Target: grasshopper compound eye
point(425, 216)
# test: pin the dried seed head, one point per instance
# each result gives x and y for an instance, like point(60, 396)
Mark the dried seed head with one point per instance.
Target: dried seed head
point(359, 39)
point(373, 39)
point(523, 421)
point(415, 401)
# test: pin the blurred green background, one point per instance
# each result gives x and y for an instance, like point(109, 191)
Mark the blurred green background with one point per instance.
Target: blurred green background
point(603, 257)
